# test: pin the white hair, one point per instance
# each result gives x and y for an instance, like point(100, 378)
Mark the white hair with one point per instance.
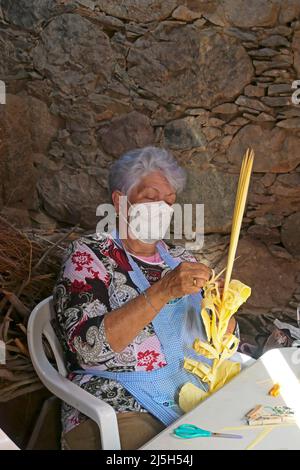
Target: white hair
point(128, 170)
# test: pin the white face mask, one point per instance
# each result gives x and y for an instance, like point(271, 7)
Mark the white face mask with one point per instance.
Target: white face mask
point(149, 221)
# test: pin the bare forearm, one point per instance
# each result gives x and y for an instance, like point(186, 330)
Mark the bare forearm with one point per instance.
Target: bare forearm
point(124, 324)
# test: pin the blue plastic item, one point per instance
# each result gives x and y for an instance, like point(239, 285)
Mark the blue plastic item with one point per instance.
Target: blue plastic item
point(188, 431)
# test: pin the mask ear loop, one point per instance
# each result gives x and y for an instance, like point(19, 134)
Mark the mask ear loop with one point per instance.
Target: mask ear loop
point(124, 218)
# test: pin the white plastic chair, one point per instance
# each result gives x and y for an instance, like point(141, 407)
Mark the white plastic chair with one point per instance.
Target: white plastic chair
point(58, 384)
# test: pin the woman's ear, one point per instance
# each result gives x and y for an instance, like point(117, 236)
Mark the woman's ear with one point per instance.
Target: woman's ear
point(116, 200)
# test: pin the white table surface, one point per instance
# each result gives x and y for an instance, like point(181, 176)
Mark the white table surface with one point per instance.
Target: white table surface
point(6, 443)
point(225, 410)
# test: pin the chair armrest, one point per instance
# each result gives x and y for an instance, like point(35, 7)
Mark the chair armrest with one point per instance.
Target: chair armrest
point(102, 413)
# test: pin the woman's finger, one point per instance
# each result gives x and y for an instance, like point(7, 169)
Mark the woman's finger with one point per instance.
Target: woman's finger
point(200, 271)
point(197, 267)
point(198, 281)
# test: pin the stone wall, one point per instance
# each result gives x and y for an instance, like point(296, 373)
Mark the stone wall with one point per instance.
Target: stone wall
point(87, 80)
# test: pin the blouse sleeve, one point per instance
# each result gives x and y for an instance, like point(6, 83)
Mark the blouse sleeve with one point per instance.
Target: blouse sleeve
point(81, 300)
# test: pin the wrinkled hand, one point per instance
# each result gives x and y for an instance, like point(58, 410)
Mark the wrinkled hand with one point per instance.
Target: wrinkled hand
point(186, 278)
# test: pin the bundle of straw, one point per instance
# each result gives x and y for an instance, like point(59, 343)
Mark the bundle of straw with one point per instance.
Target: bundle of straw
point(27, 275)
point(217, 309)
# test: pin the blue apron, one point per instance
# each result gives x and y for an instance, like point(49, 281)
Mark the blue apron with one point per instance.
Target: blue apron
point(176, 325)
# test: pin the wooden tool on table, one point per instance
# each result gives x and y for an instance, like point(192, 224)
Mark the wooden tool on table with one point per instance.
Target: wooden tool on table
point(261, 415)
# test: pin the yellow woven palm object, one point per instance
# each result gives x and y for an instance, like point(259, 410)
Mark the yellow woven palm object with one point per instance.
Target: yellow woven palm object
point(217, 310)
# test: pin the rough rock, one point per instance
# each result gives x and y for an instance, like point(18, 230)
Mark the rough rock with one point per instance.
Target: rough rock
point(269, 220)
point(26, 127)
point(132, 130)
point(276, 101)
point(15, 63)
point(279, 62)
point(138, 10)
point(184, 133)
point(280, 252)
point(290, 179)
point(18, 217)
point(43, 220)
point(87, 3)
point(216, 191)
point(181, 65)
point(44, 125)
point(290, 233)
point(185, 14)
point(293, 123)
point(240, 34)
point(264, 233)
point(211, 133)
point(287, 185)
point(275, 41)
point(290, 10)
point(72, 196)
point(75, 41)
point(279, 88)
point(268, 179)
point(254, 91)
point(276, 151)
point(251, 13)
point(272, 280)
point(251, 103)
point(296, 50)
point(265, 52)
point(289, 112)
point(225, 108)
point(27, 14)
point(261, 117)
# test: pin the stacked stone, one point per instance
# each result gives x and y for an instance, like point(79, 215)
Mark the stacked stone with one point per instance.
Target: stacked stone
point(89, 79)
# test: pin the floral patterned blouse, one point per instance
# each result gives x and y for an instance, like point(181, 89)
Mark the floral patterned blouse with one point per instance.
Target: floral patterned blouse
point(94, 280)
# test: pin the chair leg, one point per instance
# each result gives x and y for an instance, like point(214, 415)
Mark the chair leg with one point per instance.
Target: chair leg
point(40, 422)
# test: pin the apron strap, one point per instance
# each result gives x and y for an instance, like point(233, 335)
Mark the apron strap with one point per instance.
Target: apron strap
point(136, 275)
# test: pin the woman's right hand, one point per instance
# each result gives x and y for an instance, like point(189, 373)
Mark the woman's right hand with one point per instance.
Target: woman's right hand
point(186, 278)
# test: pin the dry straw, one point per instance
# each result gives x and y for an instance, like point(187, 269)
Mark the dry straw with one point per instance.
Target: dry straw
point(29, 264)
point(240, 203)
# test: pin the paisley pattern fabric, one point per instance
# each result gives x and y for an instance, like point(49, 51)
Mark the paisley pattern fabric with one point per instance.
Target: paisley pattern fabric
point(94, 280)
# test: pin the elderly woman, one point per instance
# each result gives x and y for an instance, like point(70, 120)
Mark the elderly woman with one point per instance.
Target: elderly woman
point(128, 309)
